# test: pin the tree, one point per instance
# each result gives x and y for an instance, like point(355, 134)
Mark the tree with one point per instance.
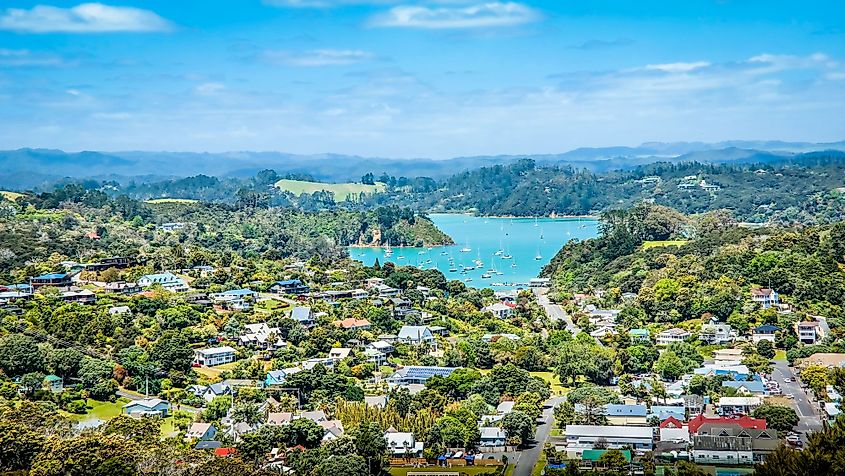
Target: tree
point(142, 430)
point(20, 354)
point(519, 427)
point(614, 462)
point(669, 365)
point(529, 403)
point(816, 377)
point(65, 362)
point(303, 431)
point(19, 445)
point(564, 413)
point(371, 445)
point(342, 465)
point(217, 408)
point(779, 417)
point(172, 352)
point(766, 349)
point(248, 413)
point(91, 454)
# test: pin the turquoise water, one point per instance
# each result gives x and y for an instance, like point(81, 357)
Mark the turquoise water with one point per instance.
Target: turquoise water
point(523, 239)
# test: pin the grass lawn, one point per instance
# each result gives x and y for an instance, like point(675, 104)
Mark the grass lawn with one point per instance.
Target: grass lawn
point(655, 244)
point(167, 428)
point(340, 190)
point(471, 470)
point(553, 380)
point(11, 196)
point(100, 410)
point(271, 305)
point(171, 200)
point(214, 372)
point(540, 466)
point(780, 355)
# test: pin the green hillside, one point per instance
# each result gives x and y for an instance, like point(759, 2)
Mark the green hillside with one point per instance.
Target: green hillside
point(341, 191)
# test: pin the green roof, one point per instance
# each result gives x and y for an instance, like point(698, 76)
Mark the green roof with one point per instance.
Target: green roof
point(594, 455)
point(639, 332)
point(52, 378)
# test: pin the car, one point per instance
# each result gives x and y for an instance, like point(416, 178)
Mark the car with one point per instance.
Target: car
point(788, 380)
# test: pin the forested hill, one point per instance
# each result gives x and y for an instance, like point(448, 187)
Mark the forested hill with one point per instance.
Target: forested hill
point(806, 188)
point(706, 268)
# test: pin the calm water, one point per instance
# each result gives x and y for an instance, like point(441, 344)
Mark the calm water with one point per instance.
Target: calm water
point(523, 239)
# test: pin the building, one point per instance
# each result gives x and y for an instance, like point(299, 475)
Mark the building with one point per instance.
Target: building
point(500, 310)
point(147, 407)
point(809, 332)
point(731, 444)
point(614, 437)
point(765, 297)
point(505, 407)
point(417, 335)
point(122, 287)
point(727, 356)
point(118, 310)
point(417, 374)
point(381, 347)
point(171, 227)
point(54, 383)
point(670, 336)
point(539, 282)
point(352, 324)
point(168, 281)
point(119, 262)
point(492, 437)
point(738, 405)
point(746, 387)
point(289, 286)
point(743, 421)
point(83, 296)
point(51, 279)
point(639, 335)
point(279, 377)
point(214, 356)
point(403, 444)
point(823, 359)
point(216, 390)
point(764, 332)
point(716, 333)
point(339, 353)
point(262, 336)
point(201, 432)
point(302, 315)
point(626, 414)
point(236, 299)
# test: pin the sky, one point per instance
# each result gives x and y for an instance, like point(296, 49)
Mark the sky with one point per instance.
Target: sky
point(417, 78)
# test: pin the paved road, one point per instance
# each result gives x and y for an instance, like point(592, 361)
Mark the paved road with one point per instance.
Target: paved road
point(555, 312)
point(808, 416)
point(529, 457)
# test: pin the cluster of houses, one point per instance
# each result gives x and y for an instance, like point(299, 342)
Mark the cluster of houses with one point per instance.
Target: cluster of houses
point(691, 182)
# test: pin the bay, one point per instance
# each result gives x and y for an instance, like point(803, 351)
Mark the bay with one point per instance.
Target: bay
point(490, 241)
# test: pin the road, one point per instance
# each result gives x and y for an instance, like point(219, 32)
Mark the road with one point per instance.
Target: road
point(808, 416)
point(529, 457)
point(555, 312)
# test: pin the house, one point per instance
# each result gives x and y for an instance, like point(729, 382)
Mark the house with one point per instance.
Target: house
point(262, 336)
point(352, 324)
point(402, 308)
point(371, 283)
point(403, 444)
point(539, 282)
point(496, 337)
point(332, 430)
point(738, 405)
point(764, 332)
point(208, 445)
point(831, 409)
point(168, 281)
point(670, 336)
point(375, 357)
point(505, 407)
point(626, 414)
point(147, 407)
point(279, 418)
point(171, 227)
point(376, 401)
point(716, 333)
point(731, 444)
point(54, 383)
point(673, 431)
point(118, 310)
point(214, 356)
point(303, 315)
point(84, 296)
point(382, 347)
point(236, 299)
point(499, 310)
point(492, 437)
point(51, 279)
point(727, 356)
point(339, 353)
point(614, 437)
point(639, 335)
point(216, 390)
point(765, 297)
point(385, 291)
point(119, 262)
point(823, 359)
point(201, 432)
point(693, 405)
point(279, 377)
point(415, 374)
point(122, 287)
point(417, 335)
point(745, 387)
point(289, 286)
point(809, 332)
point(309, 364)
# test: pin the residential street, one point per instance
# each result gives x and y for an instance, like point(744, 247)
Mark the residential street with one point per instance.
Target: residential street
point(555, 312)
point(529, 457)
point(809, 419)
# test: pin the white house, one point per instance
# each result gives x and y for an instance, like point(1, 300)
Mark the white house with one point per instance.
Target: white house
point(670, 336)
point(492, 436)
point(738, 405)
point(400, 444)
point(214, 356)
point(417, 335)
point(118, 310)
point(339, 353)
point(616, 437)
point(201, 432)
point(716, 333)
point(765, 297)
point(259, 335)
point(168, 281)
point(147, 407)
point(500, 310)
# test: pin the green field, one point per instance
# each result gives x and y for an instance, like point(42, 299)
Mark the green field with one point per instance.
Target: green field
point(341, 191)
point(100, 410)
point(655, 244)
point(470, 470)
point(171, 200)
point(11, 196)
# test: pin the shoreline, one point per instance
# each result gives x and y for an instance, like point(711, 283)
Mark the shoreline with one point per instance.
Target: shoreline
point(546, 217)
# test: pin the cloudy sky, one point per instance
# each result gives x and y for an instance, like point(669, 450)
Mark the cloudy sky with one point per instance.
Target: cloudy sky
point(417, 78)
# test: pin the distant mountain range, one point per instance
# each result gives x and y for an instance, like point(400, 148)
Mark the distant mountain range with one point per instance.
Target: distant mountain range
point(30, 168)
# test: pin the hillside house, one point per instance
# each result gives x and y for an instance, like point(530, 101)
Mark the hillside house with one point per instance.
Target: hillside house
point(352, 324)
point(809, 332)
point(417, 335)
point(303, 315)
point(499, 310)
point(614, 437)
point(403, 444)
point(670, 336)
point(51, 279)
point(262, 336)
point(289, 286)
point(716, 333)
point(765, 297)
point(168, 281)
point(147, 407)
point(738, 405)
point(639, 335)
point(417, 374)
point(492, 437)
point(764, 332)
point(201, 432)
point(214, 356)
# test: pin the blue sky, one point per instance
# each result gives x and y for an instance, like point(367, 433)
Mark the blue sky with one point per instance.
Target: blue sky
point(417, 78)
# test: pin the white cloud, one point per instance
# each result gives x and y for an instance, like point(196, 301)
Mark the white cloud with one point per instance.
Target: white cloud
point(324, 3)
point(313, 58)
point(677, 67)
point(484, 15)
point(83, 18)
point(27, 58)
point(209, 89)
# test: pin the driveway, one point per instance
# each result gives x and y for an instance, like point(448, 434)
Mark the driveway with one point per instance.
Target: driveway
point(529, 457)
point(808, 416)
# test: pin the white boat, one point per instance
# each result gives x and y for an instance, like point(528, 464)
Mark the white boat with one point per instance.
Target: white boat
point(453, 269)
point(486, 276)
point(387, 249)
point(538, 257)
point(535, 222)
point(507, 256)
point(466, 249)
point(498, 253)
point(467, 280)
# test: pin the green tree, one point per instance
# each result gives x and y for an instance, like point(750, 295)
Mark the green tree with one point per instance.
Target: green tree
point(519, 427)
point(766, 349)
point(779, 417)
point(20, 354)
point(669, 365)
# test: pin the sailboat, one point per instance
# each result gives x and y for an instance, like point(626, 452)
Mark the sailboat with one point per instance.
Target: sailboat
point(579, 223)
point(466, 248)
point(387, 250)
point(535, 222)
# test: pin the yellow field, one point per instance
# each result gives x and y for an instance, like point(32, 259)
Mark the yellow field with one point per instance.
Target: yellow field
point(171, 200)
point(341, 191)
point(11, 196)
point(655, 244)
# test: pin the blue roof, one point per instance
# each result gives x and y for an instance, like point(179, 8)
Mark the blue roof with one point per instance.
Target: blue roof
point(240, 292)
point(288, 282)
point(52, 276)
point(613, 409)
point(754, 386)
point(301, 313)
point(766, 328)
point(424, 373)
point(665, 411)
point(639, 332)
